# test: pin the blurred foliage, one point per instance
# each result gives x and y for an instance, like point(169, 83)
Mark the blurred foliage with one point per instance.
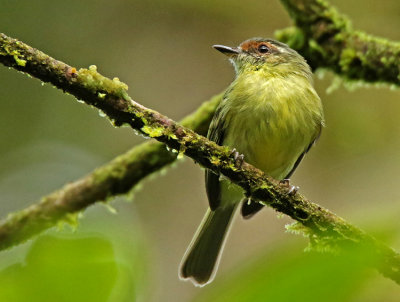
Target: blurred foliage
point(287, 275)
point(66, 269)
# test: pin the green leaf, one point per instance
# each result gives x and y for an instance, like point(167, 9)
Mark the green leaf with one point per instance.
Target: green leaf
point(288, 274)
point(63, 270)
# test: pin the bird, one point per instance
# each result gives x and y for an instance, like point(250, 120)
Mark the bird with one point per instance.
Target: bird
point(271, 115)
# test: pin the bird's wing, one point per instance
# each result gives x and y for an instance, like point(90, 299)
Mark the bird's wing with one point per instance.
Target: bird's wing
point(215, 134)
point(250, 207)
point(296, 164)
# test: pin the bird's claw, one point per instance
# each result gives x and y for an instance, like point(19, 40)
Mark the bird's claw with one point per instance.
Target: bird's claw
point(292, 190)
point(237, 156)
point(285, 182)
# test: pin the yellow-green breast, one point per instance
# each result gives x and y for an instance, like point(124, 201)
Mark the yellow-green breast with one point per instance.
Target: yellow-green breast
point(271, 120)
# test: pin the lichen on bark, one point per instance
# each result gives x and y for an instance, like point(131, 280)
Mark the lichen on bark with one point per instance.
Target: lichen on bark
point(326, 39)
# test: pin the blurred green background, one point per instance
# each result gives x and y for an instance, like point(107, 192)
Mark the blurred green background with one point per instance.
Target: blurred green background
point(161, 49)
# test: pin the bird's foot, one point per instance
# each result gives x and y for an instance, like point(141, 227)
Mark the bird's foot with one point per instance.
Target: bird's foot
point(292, 190)
point(237, 156)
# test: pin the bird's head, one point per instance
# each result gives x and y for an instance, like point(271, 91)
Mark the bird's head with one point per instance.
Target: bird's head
point(265, 55)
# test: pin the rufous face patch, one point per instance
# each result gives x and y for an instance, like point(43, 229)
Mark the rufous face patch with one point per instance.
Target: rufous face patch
point(254, 46)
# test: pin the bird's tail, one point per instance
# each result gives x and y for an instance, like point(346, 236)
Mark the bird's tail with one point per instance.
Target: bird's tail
point(202, 256)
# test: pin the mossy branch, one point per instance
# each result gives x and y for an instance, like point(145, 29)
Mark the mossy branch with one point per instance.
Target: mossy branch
point(117, 177)
point(323, 227)
point(326, 39)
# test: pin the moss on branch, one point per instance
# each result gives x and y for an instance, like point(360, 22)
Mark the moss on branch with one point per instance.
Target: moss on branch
point(110, 96)
point(117, 177)
point(326, 39)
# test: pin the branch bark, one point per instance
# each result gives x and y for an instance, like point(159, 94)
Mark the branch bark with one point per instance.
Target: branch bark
point(326, 39)
point(323, 227)
point(117, 177)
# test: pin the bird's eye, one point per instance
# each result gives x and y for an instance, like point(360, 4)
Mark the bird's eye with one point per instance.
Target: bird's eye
point(263, 48)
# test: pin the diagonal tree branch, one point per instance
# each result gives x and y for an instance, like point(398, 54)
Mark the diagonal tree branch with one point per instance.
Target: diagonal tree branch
point(322, 226)
point(325, 38)
point(116, 177)
point(119, 176)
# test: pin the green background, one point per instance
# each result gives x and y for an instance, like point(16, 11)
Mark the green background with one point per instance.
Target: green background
point(161, 49)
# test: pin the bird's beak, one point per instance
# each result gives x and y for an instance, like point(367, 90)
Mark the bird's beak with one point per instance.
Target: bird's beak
point(228, 51)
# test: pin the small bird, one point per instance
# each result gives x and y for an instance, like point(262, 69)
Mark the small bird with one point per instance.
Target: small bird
point(272, 115)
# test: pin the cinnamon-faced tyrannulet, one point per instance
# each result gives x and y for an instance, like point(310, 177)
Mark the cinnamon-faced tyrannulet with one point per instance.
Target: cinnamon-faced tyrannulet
point(272, 115)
